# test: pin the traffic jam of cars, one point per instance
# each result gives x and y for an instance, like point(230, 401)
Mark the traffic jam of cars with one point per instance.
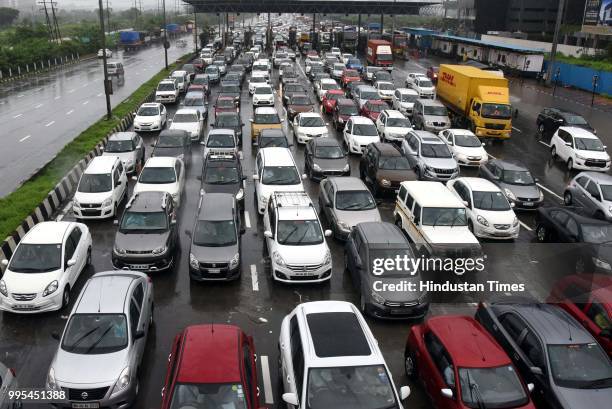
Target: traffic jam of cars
point(263, 236)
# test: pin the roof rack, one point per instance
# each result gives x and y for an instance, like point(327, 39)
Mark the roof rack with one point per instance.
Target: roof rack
point(292, 199)
point(221, 153)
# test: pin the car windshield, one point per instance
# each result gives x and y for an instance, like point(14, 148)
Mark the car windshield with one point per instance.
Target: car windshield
point(220, 141)
point(492, 387)
point(365, 130)
point(606, 190)
point(230, 396)
point(501, 111)
point(280, 175)
point(300, 100)
point(221, 175)
point(94, 334)
point(369, 95)
point(165, 87)
point(387, 86)
point(267, 118)
point(328, 152)
point(256, 80)
point(95, 183)
point(423, 83)
point(394, 163)
point(36, 258)
point(143, 221)
point(114, 146)
point(148, 111)
point(311, 121)
point(518, 177)
point(184, 118)
point(263, 90)
point(329, 85)
point(575, 120)
point(157, 175)
point(225, 103)
point(435, 150)
point(467, 141)
point(218, 233)
point(435, 110)
point(230, 89)
point(351, 73)
point(193, 101)
point(200, 80)
point(409, 97)
point(597, 233)
point(583, 366)
point(444, 216)
point(178, 78)
point(348, 110)
point(212, 69)
point(376, 107)
point(171, 141)
point(355, 200)
point(589, 144)
point(383, 76)
point(273, 141)
point(355, 387)
point(398, 122)
point(294, 88)
point(299, 232)
point(494, 201)
point(227, 121)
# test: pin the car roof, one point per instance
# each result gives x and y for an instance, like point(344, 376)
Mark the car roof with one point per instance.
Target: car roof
point(147, 201)
point(467, 342)
point(366, 87)
point(460, 131)
point(361, 120)
point(327, 80)
point(309, 115)
point(266, 110)
point(106, 293)
point(387, 149)
point(376, 102)
point(101, 164)
point(173, 132)
point(325, 142)
point(426, 136)
point(347, 183)
point(221, 131)
point(276, 156)
point(47, 233)
point(294, 206)
point(479, 184)
point(393, 113)
point(431, 194)
point(506, 165)
point(599, 177)
point(382, 235)
point(161, 162)
point(407, 91)
point(122, 136)
point(216, 206)
point(274, 132)
point(430, 102)
point(345, 101)
point(210, 354)
point(579, 132)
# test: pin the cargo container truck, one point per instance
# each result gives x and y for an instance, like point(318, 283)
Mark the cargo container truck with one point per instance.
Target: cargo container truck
point(379, 54)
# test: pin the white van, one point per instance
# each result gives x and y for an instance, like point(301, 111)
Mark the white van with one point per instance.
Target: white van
point(101, 188)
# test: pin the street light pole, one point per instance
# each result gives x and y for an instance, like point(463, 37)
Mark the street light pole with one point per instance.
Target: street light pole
point(165, 33)
point(195, 30)
point(107, 83)
point(553, 51)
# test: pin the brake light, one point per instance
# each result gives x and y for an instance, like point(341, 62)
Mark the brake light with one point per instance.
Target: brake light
point(13, 372)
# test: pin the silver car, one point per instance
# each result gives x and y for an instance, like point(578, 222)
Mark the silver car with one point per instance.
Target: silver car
point(593, 192)
point(103, 342)
point(429, 156)
point(430, 115)
point(8, 381)
point(346, 202)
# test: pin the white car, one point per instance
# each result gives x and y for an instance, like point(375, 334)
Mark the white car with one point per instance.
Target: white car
point(337, 70)
point(129, 147)
point(403, 100)
point(103, 185)
point(109, 53)
point(467, 149)
point(385, 90)
point(295, 239)
point(207, 57)
point(275, 171)
point(182, 79)
point(411, 78)
point(392, 125)
point(44, 267)
point(309, 125)
point(190, 120)
point(167, 92)
point(263, 95)
point(358, 133)
point(162, 173)
point(335, 51)
point(489, 212)
point(424, 87)
point(324, 85)
point(151, 116)
point(346, 57)
point(579, 149)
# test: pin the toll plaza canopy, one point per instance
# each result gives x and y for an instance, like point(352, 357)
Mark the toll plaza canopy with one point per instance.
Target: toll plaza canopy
point(311, 6)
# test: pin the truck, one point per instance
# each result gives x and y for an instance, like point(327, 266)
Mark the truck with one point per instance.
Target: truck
point(379, 54)
point(325, 41)
point(476, 99)
point(346, 39)
point(133, 40)
point(292, 37)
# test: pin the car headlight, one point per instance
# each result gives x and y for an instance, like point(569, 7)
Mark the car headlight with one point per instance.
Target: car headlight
point(240, 194)
point(159, 250)
point(327, 259)
point(76, 204)
point(3, 289)
point(51, 382)
point(385, 182)
point(580, 157)
point(193, 262)
point(542, 198)
point(428, 123)
point(316, 167)
point(234, 261)
point(107, 202)
point(278, 259)
point(123, 381)
point(51, 288)
point(430, 170)
point(119, 250)
point(347, 167)
point(377, 298)
point(482, 221)
point(509, 194)
point(604, 265)
point(515, 222)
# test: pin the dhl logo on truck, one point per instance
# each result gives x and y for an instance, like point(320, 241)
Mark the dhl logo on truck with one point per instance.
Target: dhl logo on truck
point(494, 93)
point(448, 78)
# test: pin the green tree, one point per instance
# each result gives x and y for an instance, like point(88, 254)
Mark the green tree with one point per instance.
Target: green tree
point(8, 16)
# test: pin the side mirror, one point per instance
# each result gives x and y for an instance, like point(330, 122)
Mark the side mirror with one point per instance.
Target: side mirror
point(465, 203)
point(404, 392)
point(482, 144)
point(116, 222)
point(290, 398)
point(268, 234)
point(512, 204)
point(134, 177)
point(139, 334)
point(536, 370)
point(304, 176)
point(255, 177)
point(328, 233)
point(530, 387)
point(447, 393)
point(4, 263)
point(251, 120)
point(202, 143)
point(71, 262)
point(55, 335)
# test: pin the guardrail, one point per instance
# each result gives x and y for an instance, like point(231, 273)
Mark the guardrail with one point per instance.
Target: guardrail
point(36, 67)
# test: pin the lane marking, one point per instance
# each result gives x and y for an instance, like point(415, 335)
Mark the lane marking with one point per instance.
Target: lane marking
point(99, 95)
point(20, 96)
point(254, 278)
point(69, 112)
point(247, 219)
point(525, 226)
point(50, 123)
point(517, 130)
point(86, 102)
point(24, 138)
point(545, 144)
point(71, 91)
point(549, 191)
point(58, 97)
point(38, 106)
point(17, 116)
point(267, 381)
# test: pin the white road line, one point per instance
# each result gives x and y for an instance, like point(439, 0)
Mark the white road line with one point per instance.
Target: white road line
point(267, 381)
point(99, 95)
point(24, 138)
point(69, 112)
point(517, 130)
point(38, 106)
point(71, 91)
point(20, 96)
point(525, 226)
point(86, 85)
point(50, 123)
point(247, 219)
point(58, 97)
point(17, 116)
point(544, 143)
point(254, 278)
point(86, 102)
point(549, 191)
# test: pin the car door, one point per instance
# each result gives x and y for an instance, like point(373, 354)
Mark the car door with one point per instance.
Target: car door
point(249, 372)
point(381, 122)
point(171, 371)
point(330, 203)
point(293, 361)
point(164, 115)
point(80, 253)
point(563, 150)
point(70, 268)
point(439, 371)
point(139, 321)
point(592, 199)
point(579, 193)
point(534, 356)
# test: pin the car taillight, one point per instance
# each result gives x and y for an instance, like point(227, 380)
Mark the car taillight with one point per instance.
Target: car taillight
point(149, 279)
point(13, 372)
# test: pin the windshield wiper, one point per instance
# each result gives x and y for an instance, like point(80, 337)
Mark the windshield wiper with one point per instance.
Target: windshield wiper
point(597, 383)
point(95, 344)
point(474, 390)
point(85, 335)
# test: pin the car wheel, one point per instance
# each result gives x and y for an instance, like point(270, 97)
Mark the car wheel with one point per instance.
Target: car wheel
point(541, 234)
point(410, 365)
point(567, 198)
point(570, 164)
point(580, 266)
point(553, 152)
point(541, 129)
point(66, 296)
point(88, 260)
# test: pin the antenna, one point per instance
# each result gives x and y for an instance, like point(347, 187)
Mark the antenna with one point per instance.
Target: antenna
point(569, 328)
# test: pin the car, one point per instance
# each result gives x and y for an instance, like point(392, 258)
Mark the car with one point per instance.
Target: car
point(8, 381)
point(591, 191)
point(365, 93)
point(222, 173)
point(337, 69)
point(460, 365)
point(345, 202)
point(424, 87)
point(329, 62)
point(335, 51)
point(432, 74)
point(385, 89)
point(232, 78)
point(355, 64)
point(190, 69)
point(229, 120)
point(286, 69)
point(550, 119)
point(101, 52)
point(272, 137)
point(167, 92)
point(196, 100)
point(226, 104)
point(515, 180)
point(345, 57)
point(551, 350)
point(465, 147)
point(292, 88)
point(309, 125)
point(382, 75)
point(198, 64)
point(214, 253)
point(257, 78)
point(324, 85)
point(231, 90)
point(275, 170)
point(490, 215)
point(101, 188)
point(109, 323)
point(162, 174)
point(45, 267)
point(263, 95)
point(189, 120)
point(372, 108)
point(430, 115)
point(295, 239)
point(351, 88)
point(358, 133)
point(237, 69)
point(127, 146)
point(383, 168)
point(348, 76)
point(213, 73)
point(429, 156)
point(589, 251)
point(403, 100)
point(221, 65)
point(297, 104)
point(329, 100)
point(325, 157)
point(265, 118)
point(182, 79)
point(325, 343)
point(412, 77)
point(318, 75)
point(343, 110)
point(173, 143)
point(392, 126)
point(369, 72)
point(221, 140)
point(115, 68)
point(579, 149)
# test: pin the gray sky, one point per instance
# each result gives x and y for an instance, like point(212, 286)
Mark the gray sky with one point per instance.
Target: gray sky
point(116, 4)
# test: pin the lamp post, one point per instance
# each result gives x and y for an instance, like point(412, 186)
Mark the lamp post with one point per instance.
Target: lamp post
point(166, 45)
point(595, 83)
point(108, 85)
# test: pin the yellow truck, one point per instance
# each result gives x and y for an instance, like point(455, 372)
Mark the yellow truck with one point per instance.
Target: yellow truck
point(477, 100)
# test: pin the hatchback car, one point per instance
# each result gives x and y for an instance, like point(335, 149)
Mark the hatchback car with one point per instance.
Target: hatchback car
point(348, 76)
point(264, 118)
point(392, 126)
point(309, 125)
point(591, 191)
point(343, 110)
point(189, 120)
point(383, 167)
point(372, 108)
point(385, 89)
point(173, 143)
point(403, 100)
point(271, 137)
point(229, 120)
point(162, 174)
point(325, 157)
point(324, 85)
point(151, 116)
point(429, 156)
point(293, 88)
point(129, 147)
point(225, 104)
point(196, 100)
point(222, 173)
point(330, 99)
point(297, 104)
point(358, 133)
point(263, 96)
point(515, 180)
point(465, 146)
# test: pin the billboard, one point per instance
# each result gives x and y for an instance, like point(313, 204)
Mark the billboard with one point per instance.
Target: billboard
point(598, 17)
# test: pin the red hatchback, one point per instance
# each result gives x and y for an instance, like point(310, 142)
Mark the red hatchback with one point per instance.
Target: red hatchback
point(226, 104)
point(211, 366)
point(330, 98)
point(372, 108)
point(349, 76)
point(461, 366)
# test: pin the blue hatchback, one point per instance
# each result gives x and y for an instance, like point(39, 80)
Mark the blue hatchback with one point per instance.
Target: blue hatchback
point(354, 64)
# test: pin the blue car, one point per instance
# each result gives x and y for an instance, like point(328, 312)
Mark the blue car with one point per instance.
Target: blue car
point(354, 64)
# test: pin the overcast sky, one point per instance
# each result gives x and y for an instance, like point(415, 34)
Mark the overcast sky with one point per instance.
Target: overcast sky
point(116, 4)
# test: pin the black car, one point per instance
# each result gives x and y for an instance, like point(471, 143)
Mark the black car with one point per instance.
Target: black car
point(232, 90)
point(383, 167)
point(147, 235)
point(174, 143)
point(229, 120)
point(318, 76)
point(222, 173)
point(590, 240)
point(272, 137)
point(292, 88)
point(325, 157)
point(552, 118)
point(382, 75)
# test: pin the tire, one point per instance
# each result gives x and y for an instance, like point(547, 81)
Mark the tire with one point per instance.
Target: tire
point(410, 366)
point(570, 164)
point(541, 234)
point(66, 296)
point(541, 129)
point(88, 260)
point(567, 198)
point(553, 152)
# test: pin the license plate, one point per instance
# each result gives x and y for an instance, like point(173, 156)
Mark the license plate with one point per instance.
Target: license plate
point(214, 270)
point(23, 307)
point(87, 405)
point(396, 191)
point(302, 274)
point(140, 266)
point(528, 204)
point(398, 312)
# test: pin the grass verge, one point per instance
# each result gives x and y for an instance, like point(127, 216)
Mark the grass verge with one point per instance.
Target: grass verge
point(15, 207)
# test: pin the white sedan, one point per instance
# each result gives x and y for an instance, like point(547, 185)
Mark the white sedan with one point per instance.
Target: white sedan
point(385, 90)
point(162, 174)
point(358, 133)
point(190, 120)
point(309, 125)
point(467, 149)
point(45, 266)
point(412, 77)
point(151, 116)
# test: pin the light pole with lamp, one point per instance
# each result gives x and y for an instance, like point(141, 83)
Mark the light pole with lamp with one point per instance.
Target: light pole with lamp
point(166, 44)
point(108, 84)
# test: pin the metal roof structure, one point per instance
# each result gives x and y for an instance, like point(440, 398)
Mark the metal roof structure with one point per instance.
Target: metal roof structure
point(490, 44)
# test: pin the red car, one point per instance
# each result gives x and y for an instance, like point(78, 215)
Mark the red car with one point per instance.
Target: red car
point(330, 98)
point(588, 298)
point(372, 108)
point(349, 76)
point(213, 366)
point(345, 108)
point(461, 366)
point(226, 104)
point(432, 74)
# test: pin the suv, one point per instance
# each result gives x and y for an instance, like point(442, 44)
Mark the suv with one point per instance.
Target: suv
point(215, 240)
point(264, 118)
point(383, 167)
point(550, 119)
point(147, 234)
point(295, 239)
point(430, 115)
point(129, 147)
point(173, 143)
point(429, 156)
point(392, 126)
point(220, 140)
point(580, 149)
point(593, 192)
point(167, 92)
point(115, 68)
point(327, 349)
point(222, 173)
point(403, 100)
